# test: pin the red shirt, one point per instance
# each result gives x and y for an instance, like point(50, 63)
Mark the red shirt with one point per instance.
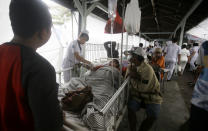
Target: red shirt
point(14, 113)
point(28, 91)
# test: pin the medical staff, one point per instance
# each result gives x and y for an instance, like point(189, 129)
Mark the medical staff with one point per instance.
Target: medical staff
point(172, 55)
point(74, 56)
point(193, 57)
point(185, 54)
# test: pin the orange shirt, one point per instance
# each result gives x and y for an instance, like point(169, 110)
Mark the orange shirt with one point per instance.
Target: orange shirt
point(160, 62)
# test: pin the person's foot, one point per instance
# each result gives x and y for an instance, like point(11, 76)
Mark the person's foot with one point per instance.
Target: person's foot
point(179, 74)
point(190, 83)
point(168, 80)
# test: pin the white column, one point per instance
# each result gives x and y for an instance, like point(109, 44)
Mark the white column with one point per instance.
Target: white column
point(127, 40)
point(182, 33)
point(140, 37)
point(84, 15)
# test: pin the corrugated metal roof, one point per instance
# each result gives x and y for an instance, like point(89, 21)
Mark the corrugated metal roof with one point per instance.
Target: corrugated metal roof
point(169, 14)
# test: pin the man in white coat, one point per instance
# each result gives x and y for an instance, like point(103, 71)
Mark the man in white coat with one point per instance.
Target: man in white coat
point(172, 55)
point(74, 56)
point(194, 55)
point(185, 54)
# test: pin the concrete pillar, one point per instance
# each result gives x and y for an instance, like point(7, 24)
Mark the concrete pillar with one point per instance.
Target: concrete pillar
point(182, 33)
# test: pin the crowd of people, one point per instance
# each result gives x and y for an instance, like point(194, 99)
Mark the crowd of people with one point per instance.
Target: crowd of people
point(174, 59)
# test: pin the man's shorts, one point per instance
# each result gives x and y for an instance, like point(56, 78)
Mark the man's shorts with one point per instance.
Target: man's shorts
point(152, 110)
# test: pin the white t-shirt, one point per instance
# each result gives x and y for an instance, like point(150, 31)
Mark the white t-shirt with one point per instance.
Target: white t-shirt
point(194, 49)
point(172, 51)
point(184, 54)
point(69, 59)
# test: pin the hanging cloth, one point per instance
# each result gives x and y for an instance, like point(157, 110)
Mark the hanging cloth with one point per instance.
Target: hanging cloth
point(132, 17)
point(117, 25)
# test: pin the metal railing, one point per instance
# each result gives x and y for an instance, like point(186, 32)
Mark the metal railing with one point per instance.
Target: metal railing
point(114, 97)
point(60, 72)
point(118, 116)
point(95, 52)
point(121, 93)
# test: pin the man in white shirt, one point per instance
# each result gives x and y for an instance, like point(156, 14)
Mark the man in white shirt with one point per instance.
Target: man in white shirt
point(185, 54)
point(172, 55)
point(74, 56)
point(194, 55)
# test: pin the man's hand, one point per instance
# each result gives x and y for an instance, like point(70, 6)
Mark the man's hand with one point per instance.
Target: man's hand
point(133, 73)
point(88, 65)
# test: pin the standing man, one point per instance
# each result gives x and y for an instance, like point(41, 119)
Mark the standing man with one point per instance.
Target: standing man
point(74, 56)
point(144, 91)
point(28, 88)
point(185, 55)
point(141, 45)
point(110, 47)
point(193, 56)
point(172, 55)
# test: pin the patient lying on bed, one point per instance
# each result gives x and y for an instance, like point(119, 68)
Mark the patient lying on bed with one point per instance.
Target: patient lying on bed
point(103, 81)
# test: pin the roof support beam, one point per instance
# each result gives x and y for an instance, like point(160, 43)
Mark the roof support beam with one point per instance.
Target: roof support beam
point(155, 13)
point(82, 8)
point(92, 1)
point(193, 8)
point(182, 33)
point(98, 5)
point(161, 39)
point(146, 36)
point(167, 23)
point(102, 7)
point(79, 6)
point(92, 7)
point(166, 6)
point(156, 33)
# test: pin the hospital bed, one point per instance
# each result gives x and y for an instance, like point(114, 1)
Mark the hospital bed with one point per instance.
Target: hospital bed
point(110, 121)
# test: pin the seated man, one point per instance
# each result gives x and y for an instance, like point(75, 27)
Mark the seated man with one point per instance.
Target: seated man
point(144, 89)
point(158, 62)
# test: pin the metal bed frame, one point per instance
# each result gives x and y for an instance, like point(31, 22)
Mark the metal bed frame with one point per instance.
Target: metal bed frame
point(117, 117)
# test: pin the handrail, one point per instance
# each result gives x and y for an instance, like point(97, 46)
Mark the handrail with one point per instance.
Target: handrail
point(114, 97)
point(66, 69)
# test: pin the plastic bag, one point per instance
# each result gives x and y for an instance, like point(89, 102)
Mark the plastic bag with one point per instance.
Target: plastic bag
point(117, 25)
point(112, 6)
point(132, 17)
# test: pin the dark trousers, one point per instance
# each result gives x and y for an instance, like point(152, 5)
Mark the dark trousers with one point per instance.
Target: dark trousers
point(152, 111)
point(198, 119)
